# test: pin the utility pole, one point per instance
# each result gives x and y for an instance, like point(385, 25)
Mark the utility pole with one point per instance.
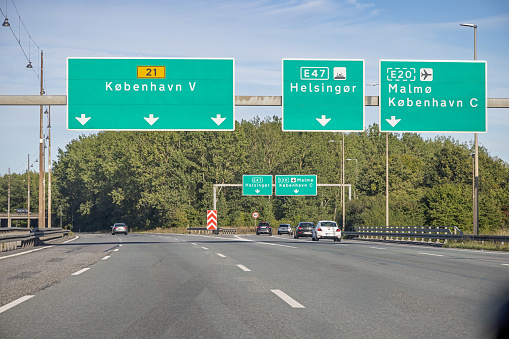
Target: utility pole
point(41, 160)
point(49, 166)
point(9, 200)
point(28, 199)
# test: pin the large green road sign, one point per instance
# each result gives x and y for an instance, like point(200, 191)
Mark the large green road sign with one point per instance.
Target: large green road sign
point(433, 96)
point(150, 94)
point(323, 95)
point(296, 185)
point(257, 185)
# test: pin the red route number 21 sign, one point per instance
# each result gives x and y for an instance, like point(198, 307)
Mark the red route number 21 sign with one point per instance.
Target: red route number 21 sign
point(212, 219)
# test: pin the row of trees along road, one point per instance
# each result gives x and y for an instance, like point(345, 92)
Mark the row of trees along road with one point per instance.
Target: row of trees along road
point(164, 179)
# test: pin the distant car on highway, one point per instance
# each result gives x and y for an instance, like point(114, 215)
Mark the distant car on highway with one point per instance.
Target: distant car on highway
point(263, 227)
point(119, 227)
point(303, 229)
point(284, 229)
point(326, 230)
point(21, 210)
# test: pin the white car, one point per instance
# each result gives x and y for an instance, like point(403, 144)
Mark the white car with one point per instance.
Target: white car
point(326, 230)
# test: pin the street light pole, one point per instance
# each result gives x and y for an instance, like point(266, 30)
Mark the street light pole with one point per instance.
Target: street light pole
point(476, 154)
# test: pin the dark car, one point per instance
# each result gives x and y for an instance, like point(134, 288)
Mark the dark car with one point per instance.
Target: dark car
point(21, 210)
point(119, 227)
point(303, 229)
point(263, 227)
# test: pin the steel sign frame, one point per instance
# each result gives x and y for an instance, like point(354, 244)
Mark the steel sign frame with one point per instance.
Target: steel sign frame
point(196, 94)
point(451, 94)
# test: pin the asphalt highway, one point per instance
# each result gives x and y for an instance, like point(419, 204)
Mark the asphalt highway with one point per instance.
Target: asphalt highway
point(248, 286)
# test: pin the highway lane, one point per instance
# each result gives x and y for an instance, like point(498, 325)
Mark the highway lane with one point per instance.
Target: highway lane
point(164, 285)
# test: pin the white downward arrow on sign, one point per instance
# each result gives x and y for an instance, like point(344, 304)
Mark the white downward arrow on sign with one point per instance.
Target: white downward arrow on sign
point(83, 120)
point(296, 191)
point(218, 120)
point(323, 121)
point(393, 121)
point(151, 120)
point(257, 191)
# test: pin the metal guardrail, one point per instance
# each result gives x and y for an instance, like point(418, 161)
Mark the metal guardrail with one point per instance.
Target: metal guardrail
point(12, 238)
point(419, 234)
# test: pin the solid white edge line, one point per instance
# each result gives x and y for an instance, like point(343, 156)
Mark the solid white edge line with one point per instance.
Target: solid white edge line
point(81, 271)
point(221, 255)
point(286, 298)
point(244, 268)
point(14, 303)
point(15, 255)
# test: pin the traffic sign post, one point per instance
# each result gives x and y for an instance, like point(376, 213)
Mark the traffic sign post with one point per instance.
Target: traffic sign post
point(257, 185)
point(433, 96)
point(296, 185)
point(212, 220)
point(323, 95)
point(150, 94)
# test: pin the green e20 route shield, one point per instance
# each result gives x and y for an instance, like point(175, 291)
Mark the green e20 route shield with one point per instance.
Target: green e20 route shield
point(150, 94)
point(433, 96)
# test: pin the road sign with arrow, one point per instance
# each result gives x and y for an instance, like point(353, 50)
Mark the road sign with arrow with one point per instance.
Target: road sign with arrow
point(323, 95)
point(150, 94)
point(257, 185)
point(433, 96)
point(300, 185)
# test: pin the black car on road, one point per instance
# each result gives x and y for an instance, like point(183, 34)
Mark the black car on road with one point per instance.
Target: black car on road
point(263, 227)
point(303, 229)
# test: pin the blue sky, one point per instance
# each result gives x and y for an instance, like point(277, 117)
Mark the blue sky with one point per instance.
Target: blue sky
point(257, 34)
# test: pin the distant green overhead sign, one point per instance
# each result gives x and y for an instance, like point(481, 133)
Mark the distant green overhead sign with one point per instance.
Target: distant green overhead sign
point(296, 185)
point(150, 94)
point(433, 96)
point(257, 185)
point(323, 95)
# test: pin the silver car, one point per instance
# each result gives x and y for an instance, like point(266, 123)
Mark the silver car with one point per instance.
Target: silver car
point(119, 227)
point(284, 229)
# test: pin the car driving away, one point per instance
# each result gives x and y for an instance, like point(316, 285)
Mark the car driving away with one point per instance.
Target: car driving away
point(303, 229)
point(119, 227)
point(326, 230)
point(263, 227)
point(284, 229)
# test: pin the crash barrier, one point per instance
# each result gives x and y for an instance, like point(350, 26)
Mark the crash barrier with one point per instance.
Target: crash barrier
point(437, 234)
point(12, 238)
point(204, 230)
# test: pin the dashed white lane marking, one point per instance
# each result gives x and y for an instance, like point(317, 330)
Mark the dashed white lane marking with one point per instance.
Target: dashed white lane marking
point(193, 243)
point(26, 252)
point(115, 250)
point(505, 264)
point(221, 255)
point(14, 303)
point(65, 242)
point(205, 248)
point(106, 257)
point(244, 268)
point(286, 298)
point(81, 271)
point(272, 244)
point(379, 248)
point(435, 255)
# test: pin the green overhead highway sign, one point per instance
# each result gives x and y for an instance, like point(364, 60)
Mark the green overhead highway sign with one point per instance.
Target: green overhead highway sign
point(257, 185)
point(433, 96)
point(296, 185)
point(150, 94)
point(323, 95)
